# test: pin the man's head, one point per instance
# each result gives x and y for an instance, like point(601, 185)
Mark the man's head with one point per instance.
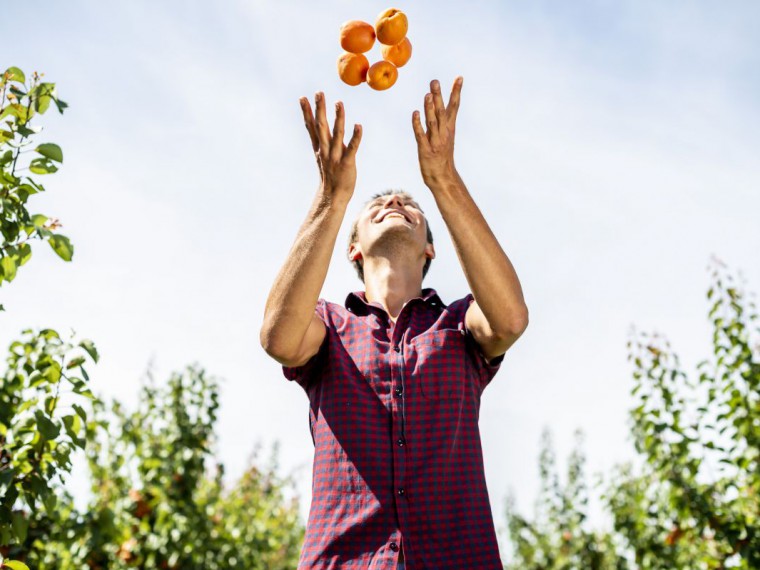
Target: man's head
point(379, 222)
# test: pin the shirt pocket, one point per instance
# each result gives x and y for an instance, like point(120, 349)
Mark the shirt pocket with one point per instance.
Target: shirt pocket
point(441, 367)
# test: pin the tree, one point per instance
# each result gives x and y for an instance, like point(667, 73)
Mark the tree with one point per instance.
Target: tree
point(694, 502)
point(156, 501)
point(154, 504)
point(559, 538)
point(20, 102)
point(40, 420)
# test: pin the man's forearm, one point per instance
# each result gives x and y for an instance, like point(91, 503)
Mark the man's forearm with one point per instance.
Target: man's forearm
point(293, 297)
point(489, 273)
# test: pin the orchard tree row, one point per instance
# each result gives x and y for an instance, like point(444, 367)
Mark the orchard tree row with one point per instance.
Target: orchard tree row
point(158, 500)
point(694, 501)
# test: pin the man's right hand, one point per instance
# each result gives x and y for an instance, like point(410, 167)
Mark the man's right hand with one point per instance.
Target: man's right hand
point(336, 161)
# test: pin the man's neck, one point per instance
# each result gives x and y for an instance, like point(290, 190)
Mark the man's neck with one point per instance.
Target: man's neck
point(392, 286)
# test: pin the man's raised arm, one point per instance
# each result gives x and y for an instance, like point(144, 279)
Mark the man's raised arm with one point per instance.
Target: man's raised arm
point(291, 332)
point(499, 315)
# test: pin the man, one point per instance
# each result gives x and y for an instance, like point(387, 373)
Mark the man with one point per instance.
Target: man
point(395, 377)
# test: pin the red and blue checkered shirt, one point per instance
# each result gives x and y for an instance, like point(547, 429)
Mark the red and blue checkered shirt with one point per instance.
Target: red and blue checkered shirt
point(397, 456)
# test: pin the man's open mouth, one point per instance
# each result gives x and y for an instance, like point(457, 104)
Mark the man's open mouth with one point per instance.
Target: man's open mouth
point(399, 214)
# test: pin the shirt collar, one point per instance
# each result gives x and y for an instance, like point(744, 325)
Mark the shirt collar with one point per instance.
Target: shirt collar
point(357, 300)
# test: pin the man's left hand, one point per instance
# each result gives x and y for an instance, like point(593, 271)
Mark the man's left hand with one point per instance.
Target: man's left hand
point(435, 145)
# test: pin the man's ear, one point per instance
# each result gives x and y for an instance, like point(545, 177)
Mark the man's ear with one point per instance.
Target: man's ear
point(354, 252)
point(430, 251)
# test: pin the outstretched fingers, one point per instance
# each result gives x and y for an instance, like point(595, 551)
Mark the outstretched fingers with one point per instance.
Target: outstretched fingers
point(308, 119)
point(419, 132)
point(440, 108)
point(353, 144)
point(323, 130)
point(431, 120)
point(453, 107)
point(336, 147)
point(322, 142)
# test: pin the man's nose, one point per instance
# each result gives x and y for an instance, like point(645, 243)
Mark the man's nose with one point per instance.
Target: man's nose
point(394, 199)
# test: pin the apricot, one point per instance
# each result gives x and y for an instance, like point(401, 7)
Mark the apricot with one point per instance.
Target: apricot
point(391, 26)
point(352, 68)
point(357, 36)
point(382, 75)
point(399, 54)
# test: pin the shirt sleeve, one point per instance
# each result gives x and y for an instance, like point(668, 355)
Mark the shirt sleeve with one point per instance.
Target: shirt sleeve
point(486, 369)
point(308, 372)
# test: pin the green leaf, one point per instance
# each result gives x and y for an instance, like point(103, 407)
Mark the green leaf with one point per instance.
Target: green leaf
point(73, 425)
point(7, 268)
point(20, 525)
point(60, 104)
point(89, 346)
point(42, 166)
point(79, 410)
point(24, 253)
point(50, 502)
point(25, 131)
point(17, 92)
point(48, 429)
point(51, 151)
point(6, 480)
point(39, 220)
point(17, 110)
point(62, 246)
point(50, 404)
point(75, 362)
point(49, 334)
point(15, 74)
point(52, 372)
point(15, 565)
point(43, 95)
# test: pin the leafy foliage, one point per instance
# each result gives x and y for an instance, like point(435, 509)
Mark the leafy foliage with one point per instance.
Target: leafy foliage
point(694, 502)
point(156, 501)
point(41, 423)
point(21, 100)
point(559, 538)
point(37, 432)
point(154, 504)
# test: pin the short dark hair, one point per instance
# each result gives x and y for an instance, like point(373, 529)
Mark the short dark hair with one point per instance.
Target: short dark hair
point(355, 231)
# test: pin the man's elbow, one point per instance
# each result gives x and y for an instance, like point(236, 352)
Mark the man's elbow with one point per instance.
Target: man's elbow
point(522, 321)
point(517, 325)
point(272, 347)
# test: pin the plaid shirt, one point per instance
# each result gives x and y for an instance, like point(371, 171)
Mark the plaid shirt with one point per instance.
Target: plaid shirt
point(397, 457)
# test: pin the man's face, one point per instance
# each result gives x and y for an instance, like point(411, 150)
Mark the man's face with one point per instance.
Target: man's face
point(388, 222)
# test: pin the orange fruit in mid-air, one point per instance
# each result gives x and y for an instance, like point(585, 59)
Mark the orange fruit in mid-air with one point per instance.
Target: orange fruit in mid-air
point(357, 36)
point(352, 68)
point(391, 26)
point(399, 54)
point(382, 75)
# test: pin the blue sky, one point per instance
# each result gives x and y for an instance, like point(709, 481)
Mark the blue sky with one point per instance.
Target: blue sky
point(612, 147)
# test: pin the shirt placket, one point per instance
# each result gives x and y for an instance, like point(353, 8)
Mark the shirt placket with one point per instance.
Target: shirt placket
point(398, 416)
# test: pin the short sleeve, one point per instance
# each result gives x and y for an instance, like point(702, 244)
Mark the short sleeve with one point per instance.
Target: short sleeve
point(309, 371)
point(486, 369)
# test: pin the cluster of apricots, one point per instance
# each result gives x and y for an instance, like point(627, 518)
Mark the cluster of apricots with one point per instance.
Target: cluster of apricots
point(358, 37)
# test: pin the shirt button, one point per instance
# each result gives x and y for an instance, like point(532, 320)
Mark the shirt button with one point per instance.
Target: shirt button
point(401, 492)
point(394, 546)
point(400, 441)
point(398, 392)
